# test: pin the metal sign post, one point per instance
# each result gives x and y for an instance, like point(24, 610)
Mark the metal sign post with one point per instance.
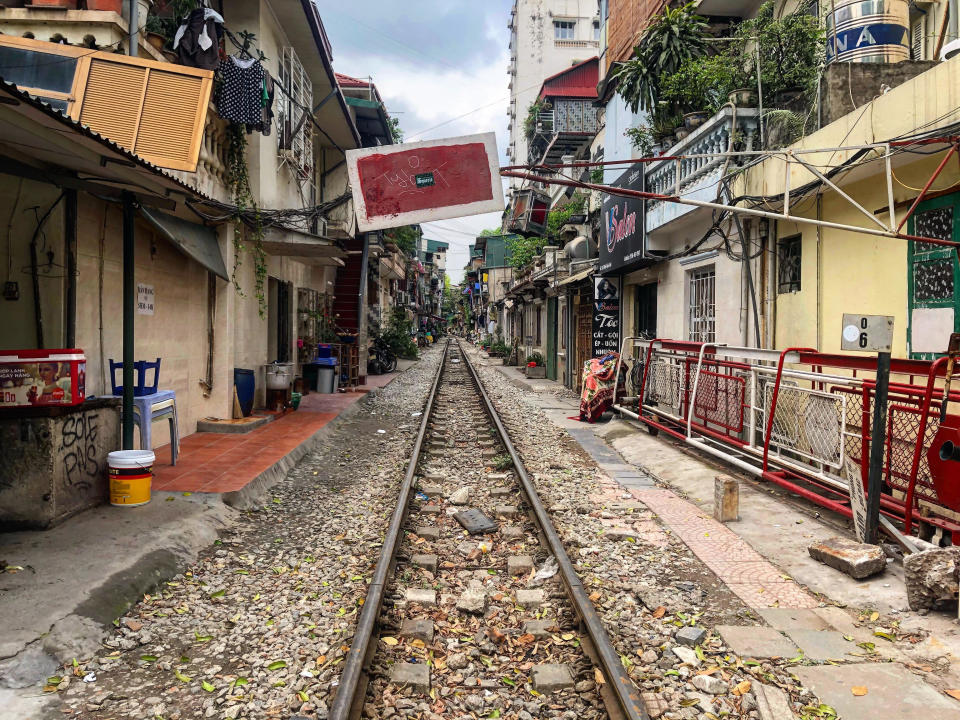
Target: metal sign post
point(873, 332)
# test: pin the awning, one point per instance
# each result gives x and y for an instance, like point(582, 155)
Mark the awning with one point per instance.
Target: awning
point(582, 275)
point(297, 243)
point(196, 241)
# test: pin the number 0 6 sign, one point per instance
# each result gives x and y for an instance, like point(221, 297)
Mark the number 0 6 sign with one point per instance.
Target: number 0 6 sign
point(872, 333)
point(412, 183)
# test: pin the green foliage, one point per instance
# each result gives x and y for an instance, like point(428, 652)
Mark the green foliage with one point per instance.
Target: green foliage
point(784, 127)
point(677, 36)
point(702, 83)
point(491, 231)
point(791, 50)
point(559, 217)
point(596, 175)
point(398, 334)
point(404, 237)
point(523, 250)
point(167, 25)
point(530, 121)
point(238, 180)
point(395, 130)
point(535, 358)
point(641, 137)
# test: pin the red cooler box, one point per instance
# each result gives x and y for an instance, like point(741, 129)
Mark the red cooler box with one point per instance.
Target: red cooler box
point(30, 378)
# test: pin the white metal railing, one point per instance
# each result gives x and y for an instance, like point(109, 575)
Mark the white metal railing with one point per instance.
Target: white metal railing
point(696, 162)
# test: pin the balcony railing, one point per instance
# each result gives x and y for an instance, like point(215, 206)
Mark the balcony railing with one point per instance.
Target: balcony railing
point(697, 177)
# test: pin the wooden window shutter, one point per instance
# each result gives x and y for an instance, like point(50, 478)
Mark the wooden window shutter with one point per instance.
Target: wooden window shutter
point(157, 110)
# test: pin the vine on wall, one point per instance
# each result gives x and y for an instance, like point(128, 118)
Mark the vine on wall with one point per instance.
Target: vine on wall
point(238, 180)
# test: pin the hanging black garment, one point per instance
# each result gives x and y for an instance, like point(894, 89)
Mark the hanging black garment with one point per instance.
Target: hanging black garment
point(197, 41)
point(240, 95)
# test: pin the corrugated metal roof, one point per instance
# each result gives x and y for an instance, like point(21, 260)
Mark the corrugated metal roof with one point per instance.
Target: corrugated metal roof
point(578, 81)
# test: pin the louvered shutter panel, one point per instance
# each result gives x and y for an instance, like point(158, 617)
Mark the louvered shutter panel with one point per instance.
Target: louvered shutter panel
point(170, 115)
point(916, 40)
point(148, 107)
point(112, 101)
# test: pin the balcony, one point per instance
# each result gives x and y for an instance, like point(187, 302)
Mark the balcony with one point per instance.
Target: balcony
point(697, 178)
point(576, 43)
point(211, 175)
point(563, 130)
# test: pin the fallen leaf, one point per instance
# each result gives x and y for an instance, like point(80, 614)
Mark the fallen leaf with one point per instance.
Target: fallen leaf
point(874, 616)
point(207, 686)
point(276, 665)
point(859, 690)
point(202, 638)
point(180, 676)
point(218, 594)
point(955, 694)
point(598, 677)
point(389, 641)
point(526, 639)
point(742, 688)
point(660, 612)
point(594, 596)
point(148, 658)
point(303, 696)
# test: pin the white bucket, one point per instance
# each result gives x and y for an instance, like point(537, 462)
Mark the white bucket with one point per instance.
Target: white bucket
point(131, 474)
point(279, 375)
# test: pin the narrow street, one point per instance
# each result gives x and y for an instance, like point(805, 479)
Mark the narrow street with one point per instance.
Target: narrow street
point(518, 359)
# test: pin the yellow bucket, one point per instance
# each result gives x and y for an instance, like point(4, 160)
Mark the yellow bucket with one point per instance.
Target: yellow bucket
point(131, 473)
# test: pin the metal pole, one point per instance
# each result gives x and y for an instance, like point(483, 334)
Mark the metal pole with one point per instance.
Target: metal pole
point(129, 313)
point(877, 446)
point(133, 29)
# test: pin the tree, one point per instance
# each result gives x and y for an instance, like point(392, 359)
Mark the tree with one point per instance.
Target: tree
point(395, 131)
point(405, 238)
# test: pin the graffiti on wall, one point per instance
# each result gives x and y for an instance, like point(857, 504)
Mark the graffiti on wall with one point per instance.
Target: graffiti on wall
point(79, 447)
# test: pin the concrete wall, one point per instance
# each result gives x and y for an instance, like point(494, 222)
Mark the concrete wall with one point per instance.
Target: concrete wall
point(19, 221)
point(848, 86)
point(53, 463)
point(833, 264)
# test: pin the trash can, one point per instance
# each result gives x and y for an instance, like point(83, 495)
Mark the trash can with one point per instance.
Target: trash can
point(245, 383)
point(326, 374)
point(310, 377)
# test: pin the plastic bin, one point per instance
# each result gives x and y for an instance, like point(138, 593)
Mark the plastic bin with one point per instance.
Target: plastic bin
point(324, 351)
point(326, 374)
point(245, 382)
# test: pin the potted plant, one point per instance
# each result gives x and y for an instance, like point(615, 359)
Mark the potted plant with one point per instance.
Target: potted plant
point(155, 35)
point(535, 367)
point(743, 97)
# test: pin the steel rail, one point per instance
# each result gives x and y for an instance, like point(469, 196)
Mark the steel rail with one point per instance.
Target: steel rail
point(627, 697)
point(345, 700)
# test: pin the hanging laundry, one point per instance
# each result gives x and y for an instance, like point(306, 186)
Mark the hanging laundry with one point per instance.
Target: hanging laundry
point(197, 41)
point(240, 96)
point(269, 91)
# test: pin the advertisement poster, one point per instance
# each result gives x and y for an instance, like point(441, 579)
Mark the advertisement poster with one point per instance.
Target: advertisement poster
point(623, 224)
point(606, 316)
point(41, 383)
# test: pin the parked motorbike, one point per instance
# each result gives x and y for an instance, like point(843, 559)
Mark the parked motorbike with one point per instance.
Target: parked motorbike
point(382, 358)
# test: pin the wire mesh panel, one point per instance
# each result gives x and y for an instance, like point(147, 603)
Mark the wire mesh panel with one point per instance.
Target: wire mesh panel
point(903, 426)
point(808, 423)
point(664, 383)
point(720, 400)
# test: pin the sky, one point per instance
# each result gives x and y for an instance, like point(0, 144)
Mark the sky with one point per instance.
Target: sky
point(441, 68)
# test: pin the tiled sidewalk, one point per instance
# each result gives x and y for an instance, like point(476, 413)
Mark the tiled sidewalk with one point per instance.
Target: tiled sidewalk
point(220, 462)
point(754, 580)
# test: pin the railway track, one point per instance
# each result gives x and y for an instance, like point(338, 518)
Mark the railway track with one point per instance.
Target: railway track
point(475, 609)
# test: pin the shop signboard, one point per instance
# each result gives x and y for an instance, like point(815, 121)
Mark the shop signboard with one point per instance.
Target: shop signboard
point(606, 315)
point(623, 224)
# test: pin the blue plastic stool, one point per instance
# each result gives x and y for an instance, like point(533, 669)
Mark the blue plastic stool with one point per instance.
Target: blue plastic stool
point(158, 406)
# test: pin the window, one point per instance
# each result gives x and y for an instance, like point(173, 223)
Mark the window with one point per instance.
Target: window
point(596, 30)
point(917, 39)
point(703, 304)
point(294, 104)
point(563, 29)
point(789, 252)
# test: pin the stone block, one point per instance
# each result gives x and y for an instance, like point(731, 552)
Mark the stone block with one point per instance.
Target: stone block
point(691, 636)
point(549, 678)
point(427, 562)
point(619, 534)
point(931, 578)
point(499, 477)
point(418, 628)
point(511, 532)
point(433, 491)
point(427, 598)
point(428, 533)
point(726, 499)
point(519, 564)
point(757, 642)
point(431, 509)
point(508, 511)
point(530, 599)
point(540, 629)
point(501, 491)
point(823, 645)
point(415, 676)
point(893, 692)
point(858, 560)
point(473, 600)
point(772, 702)
point(793, 619)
